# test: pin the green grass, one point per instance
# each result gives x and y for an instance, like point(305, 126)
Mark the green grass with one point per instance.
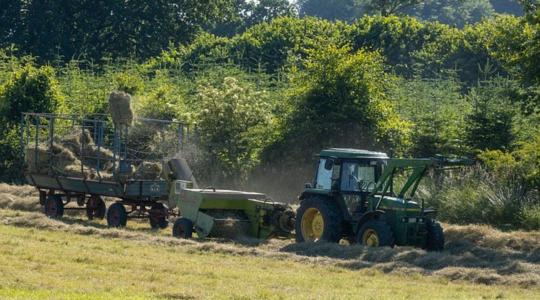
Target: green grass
point(62, 265)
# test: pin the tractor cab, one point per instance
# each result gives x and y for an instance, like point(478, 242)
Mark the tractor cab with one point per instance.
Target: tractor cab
point(349, 171)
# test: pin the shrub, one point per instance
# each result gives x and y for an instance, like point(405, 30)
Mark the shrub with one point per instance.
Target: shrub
point(29, 89)
point(232, 125)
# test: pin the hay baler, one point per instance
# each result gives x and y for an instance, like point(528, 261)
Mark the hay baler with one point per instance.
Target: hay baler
point(225, 213)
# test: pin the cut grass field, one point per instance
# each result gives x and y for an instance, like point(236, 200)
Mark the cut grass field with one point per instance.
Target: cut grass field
point(73, 258)
point(62, 265)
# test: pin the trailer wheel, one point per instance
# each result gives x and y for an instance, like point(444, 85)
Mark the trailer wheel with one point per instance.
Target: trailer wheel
point(183, 228)
point(116, 215)
point(434, 237)
point(318, 219)
point(95, 208)
point(54, 207)
point(375, 233)
point(158, 216)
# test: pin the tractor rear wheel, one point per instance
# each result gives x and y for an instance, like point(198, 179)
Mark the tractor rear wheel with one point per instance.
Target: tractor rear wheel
point(182, 228)
point(318, 219)
point(158, 216)
point(54, 207)
point(95, 208)
point(375, 233)
point(117, 215)
point(434, 237)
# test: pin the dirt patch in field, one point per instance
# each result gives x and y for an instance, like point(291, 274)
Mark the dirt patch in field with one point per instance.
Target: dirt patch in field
point(478, 254)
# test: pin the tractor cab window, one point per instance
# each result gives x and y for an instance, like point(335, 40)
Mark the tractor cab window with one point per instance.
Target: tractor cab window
point(324, 176)
point(357, 177)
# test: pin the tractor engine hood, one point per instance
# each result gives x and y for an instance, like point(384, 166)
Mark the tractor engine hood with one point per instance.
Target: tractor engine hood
point(395, 203)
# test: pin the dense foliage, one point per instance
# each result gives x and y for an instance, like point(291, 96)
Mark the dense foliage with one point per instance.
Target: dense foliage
point(267, 90)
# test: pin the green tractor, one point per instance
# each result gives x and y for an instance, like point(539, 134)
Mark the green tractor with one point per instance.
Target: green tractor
point(366, 197)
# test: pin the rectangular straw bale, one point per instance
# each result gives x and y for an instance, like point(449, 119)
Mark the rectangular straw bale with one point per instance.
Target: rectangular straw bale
point(120, 108)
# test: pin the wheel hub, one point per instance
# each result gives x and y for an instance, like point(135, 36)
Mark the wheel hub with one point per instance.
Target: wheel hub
point(370, 238)
point(312, 224)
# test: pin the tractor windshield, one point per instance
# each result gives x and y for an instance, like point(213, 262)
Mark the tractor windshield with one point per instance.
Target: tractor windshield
point(357, 177)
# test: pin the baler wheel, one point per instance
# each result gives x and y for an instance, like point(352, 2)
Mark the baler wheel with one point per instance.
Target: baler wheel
point(182, 228)
point(158, 216)
point(435, 237)
point(117, 215)
point(54, 207)
point(95, 207)
point(375, 233)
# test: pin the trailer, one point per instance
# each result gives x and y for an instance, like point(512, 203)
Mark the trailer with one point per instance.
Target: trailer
point(83, 160)
point(104, 162)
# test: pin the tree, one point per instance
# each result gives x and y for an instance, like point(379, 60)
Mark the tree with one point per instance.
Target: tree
point(346, 10)
point(339, 101)
point(10, 21)
point(489, 126)
point(389, 7)
point(452, 12)
point(97, 29)
point(267, 10)
point(30, 89)
point(436, 109)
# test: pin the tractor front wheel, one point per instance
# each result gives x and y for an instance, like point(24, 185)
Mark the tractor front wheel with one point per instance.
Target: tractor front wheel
point(435, 237)
point(54, 207)
point(375, 233)
point(318, 219)
point(182, 228)
point(117, 215)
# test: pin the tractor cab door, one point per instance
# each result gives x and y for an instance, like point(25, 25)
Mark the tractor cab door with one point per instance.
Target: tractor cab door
point(358, 179)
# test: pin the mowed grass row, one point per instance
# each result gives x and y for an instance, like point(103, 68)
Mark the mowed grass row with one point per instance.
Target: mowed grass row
point(61, 265)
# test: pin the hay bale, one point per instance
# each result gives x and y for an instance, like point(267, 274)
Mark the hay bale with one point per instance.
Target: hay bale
point(74, 140)
point(120, 108)
point(58, 158)
point(148, 171)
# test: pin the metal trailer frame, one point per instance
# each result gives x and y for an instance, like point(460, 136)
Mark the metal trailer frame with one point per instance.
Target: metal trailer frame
point(136, 193)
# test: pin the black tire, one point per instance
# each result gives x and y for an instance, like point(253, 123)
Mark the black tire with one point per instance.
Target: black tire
point(375, 233)
point(332, 229)
point(95, 208)
point(158, 216)
point(116, 215)
point(54, 207)
point(434, 237)
point(182, 228)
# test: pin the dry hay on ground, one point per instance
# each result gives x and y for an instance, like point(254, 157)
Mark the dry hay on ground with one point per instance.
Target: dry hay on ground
point(478, 254)
point(19, 197)
point(120, 108)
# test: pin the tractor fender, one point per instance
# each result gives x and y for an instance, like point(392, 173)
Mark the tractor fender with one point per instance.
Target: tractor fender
point(371, 215)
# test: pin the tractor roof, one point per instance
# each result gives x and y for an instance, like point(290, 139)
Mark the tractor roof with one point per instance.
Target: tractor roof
point(352, 153)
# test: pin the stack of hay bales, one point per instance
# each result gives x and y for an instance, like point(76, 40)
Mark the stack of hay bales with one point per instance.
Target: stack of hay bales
point(90, 151)
point(148, 171)
point(120, 108)
point(64, 157)
point(41, 159)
